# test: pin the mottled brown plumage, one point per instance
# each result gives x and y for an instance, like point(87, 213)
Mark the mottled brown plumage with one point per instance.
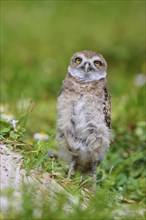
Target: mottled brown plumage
point(84, 112)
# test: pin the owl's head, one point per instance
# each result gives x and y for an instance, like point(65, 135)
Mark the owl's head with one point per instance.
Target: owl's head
point(87, 66)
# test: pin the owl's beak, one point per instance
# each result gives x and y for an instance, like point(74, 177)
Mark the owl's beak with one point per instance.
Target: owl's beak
point(86, 67)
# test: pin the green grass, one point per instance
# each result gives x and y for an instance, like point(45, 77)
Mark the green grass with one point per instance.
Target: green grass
point(37, 40)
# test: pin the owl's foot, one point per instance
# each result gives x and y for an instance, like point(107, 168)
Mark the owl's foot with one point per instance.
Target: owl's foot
point(72, 167)
point(94, 172)
point(94, 182)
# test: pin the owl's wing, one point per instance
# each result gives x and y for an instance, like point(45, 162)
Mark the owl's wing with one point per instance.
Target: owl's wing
point(61, 90)
point(107, 108)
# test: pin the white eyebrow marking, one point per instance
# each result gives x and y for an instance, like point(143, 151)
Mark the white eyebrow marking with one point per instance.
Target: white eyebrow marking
point(84, 59)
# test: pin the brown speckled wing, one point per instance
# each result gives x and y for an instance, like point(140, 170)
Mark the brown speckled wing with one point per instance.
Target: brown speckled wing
point(107, 108)
point(61, 90)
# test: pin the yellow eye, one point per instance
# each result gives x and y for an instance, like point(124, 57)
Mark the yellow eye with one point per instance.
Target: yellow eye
point(78, 60)
point(97, 63)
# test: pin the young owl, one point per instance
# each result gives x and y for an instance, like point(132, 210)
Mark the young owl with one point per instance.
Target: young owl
point(84, 110)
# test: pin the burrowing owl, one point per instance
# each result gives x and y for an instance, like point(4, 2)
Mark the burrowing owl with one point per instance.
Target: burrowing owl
point(84, 112)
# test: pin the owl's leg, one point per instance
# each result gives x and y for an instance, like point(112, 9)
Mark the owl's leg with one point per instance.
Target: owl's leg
point(94, 172)
point(72, 167)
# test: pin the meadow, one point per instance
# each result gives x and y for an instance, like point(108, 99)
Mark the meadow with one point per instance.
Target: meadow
point(37, 40)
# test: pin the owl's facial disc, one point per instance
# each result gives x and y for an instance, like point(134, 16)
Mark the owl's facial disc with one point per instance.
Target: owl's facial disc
point(87, 69)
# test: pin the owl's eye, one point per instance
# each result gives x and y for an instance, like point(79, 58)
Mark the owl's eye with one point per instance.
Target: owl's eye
point(78, 60)
point(97, 63)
